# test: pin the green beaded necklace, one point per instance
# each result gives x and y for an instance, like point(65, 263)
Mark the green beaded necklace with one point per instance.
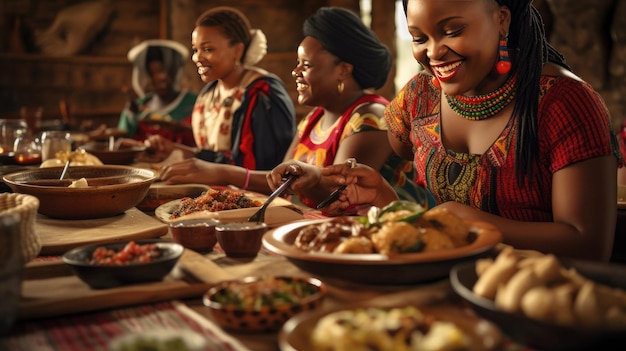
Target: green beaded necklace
point(477, 108)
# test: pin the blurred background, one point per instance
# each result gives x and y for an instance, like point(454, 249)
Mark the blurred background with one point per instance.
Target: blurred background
point(66, 59)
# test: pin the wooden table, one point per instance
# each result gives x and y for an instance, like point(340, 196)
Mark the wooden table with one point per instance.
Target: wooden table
point(439, 292)
point(52, 291)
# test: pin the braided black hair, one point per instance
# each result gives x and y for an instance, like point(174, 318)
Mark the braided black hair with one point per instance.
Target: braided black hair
point(233, 23)
point(531, 51)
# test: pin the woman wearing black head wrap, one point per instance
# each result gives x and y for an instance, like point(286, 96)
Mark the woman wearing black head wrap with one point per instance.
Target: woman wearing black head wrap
point(343, 34)
point(501, 130)
point(339, 61)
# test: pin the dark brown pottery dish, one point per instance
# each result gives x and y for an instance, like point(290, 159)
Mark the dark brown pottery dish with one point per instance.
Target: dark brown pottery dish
point(538, 334)
point(377, 269)
point(100, 276)
point(119, 155)
point(111, 189)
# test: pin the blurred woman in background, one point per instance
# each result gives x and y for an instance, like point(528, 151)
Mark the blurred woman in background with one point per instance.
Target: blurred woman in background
point(159, 105)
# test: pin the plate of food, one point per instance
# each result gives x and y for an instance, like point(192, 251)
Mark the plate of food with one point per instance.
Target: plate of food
point(402, 247)
point(161, 193)
point(546, 302)
point(388, 328)
point(227, 205)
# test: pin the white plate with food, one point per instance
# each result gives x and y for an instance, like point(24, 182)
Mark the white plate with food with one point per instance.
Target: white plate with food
point(218, 206)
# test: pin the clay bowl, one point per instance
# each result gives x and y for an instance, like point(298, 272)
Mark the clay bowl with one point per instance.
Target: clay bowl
point(121, 155)
point(269, 309)
point(102, 276)
point(195, 234)
point(240, 239)
point(377, 269)
point(111, 189)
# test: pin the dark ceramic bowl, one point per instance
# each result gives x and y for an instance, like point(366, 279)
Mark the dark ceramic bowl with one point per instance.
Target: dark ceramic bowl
point(263, 318)
point(195, 234)
point(111, 191)
point(122, 155)
point(108, 276)
point(377, 269)
point(240, 239)
point(538, 334)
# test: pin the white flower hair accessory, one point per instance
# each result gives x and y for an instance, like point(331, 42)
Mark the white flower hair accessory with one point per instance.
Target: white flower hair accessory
point(257, 48)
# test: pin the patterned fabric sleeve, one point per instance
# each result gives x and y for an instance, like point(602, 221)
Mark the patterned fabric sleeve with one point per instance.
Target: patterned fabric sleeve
point(576, 125)
point(403, 108)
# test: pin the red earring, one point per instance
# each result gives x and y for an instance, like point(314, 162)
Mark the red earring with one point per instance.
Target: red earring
point(436, 82)
point(503, 66)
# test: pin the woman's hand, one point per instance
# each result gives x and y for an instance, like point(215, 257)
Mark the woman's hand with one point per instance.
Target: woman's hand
point(308, 175)
point(194, 170)
point(365, 186)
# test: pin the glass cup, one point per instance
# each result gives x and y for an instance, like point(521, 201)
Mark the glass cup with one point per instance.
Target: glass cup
point(27, 149)
point(54, 142)
point(10, 129)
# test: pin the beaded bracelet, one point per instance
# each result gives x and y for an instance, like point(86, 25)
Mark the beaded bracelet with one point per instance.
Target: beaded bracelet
point(245, 185)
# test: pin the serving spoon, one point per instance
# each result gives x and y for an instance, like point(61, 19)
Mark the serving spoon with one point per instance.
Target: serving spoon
point(67, 165)
point(259, 216)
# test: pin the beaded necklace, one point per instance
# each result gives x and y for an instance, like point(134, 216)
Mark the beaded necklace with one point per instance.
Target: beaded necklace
point(477, 108)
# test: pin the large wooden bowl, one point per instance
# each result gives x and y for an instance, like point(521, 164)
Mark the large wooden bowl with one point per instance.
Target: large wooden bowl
point(111, 191)
point(377, 269)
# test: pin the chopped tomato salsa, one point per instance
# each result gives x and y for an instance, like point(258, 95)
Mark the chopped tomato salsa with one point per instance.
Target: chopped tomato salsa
point(131, 253)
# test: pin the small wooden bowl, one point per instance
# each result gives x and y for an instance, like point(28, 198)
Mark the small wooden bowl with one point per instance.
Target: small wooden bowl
point(240, 239)
point(195, 234)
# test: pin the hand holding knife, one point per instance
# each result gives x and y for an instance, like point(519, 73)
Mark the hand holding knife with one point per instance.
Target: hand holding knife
point(334, 196)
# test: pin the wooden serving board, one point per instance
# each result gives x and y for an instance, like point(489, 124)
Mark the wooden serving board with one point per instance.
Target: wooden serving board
point(58, 235)
point(51, 289)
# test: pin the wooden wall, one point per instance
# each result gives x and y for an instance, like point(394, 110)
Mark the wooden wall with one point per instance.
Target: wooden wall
point(91, 81)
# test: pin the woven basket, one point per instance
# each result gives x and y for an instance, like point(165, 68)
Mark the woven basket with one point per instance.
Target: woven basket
point(25, 206)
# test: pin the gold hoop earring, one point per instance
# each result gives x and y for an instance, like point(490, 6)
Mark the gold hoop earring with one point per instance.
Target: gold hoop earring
point(340, 87)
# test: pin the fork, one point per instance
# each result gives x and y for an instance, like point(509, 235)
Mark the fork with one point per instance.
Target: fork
point(259, 216)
